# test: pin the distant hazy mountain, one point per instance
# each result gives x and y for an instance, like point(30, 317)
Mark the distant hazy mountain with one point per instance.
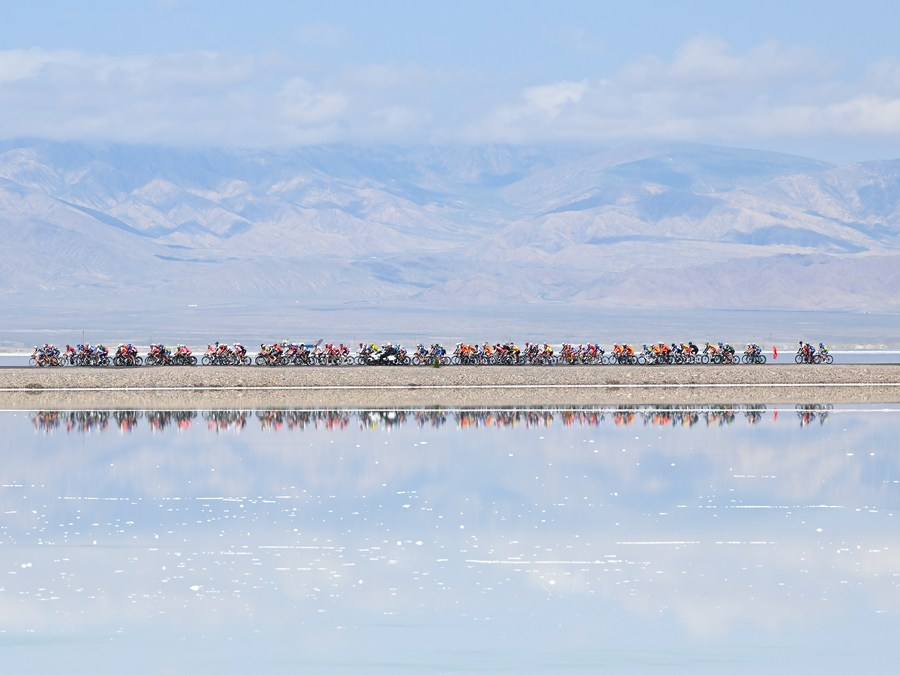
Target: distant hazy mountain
point(650, 226)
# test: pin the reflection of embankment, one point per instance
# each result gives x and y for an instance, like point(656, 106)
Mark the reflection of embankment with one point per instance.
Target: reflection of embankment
point(220, 388)
point(158, 421)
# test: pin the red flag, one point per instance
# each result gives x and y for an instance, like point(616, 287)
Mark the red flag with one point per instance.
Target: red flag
point(774, 352)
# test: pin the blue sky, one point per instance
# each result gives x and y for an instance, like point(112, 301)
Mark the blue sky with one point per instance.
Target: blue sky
point(814, 78)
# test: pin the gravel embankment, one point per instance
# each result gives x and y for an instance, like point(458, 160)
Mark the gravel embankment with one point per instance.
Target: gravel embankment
point(174, 388)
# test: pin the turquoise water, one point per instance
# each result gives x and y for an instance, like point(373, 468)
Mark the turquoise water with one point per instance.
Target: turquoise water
point(640, 540)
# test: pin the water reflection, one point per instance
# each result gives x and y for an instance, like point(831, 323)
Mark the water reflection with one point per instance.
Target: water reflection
point(374, 420)
point(738, 539)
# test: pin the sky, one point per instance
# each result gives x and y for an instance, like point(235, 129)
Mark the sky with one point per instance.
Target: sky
point(820, 79)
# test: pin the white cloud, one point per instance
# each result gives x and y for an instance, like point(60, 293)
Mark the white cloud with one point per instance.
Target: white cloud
point(867, 114)
point(706, 92)
point(301, 103)
point(538, 110)
point(552, 99)
point(708, 60)
point(19, 64)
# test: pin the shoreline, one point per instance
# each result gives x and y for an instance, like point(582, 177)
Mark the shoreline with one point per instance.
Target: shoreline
point(212, 388)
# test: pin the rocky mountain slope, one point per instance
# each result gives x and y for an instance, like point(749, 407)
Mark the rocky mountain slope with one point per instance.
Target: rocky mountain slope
point(652, 226)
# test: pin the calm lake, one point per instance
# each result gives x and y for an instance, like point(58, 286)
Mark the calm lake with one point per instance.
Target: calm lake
point(640, 540)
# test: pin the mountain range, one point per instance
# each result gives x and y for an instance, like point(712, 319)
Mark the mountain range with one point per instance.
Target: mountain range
point(481, 227)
